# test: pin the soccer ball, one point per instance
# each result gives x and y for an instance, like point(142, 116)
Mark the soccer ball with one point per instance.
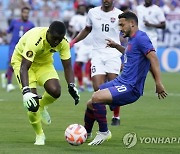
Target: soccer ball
point(75, 134)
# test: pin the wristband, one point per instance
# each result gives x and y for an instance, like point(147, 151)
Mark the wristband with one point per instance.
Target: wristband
point(25, 90)
point(71, 85)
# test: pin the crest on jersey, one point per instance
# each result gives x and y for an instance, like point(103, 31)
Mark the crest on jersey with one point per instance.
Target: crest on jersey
point(29, 54)
point(113, 19)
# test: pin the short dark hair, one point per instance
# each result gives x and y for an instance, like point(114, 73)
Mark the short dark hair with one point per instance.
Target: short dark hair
point(129, 15)
point(25, 8)
point(57, 27)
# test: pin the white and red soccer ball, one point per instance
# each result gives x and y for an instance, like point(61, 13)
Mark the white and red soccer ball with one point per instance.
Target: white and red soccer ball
point(75, 134)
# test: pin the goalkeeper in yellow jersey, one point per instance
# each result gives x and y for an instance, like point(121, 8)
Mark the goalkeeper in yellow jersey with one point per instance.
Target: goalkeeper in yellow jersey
point(32, 62)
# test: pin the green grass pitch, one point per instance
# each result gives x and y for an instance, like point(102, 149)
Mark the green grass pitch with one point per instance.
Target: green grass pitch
point(148, 117)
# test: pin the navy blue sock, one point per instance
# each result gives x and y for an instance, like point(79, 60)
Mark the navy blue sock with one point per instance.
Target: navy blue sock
point(89, 120)
point(100, 116)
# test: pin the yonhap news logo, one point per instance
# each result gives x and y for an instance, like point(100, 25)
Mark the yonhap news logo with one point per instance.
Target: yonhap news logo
point(131, 139)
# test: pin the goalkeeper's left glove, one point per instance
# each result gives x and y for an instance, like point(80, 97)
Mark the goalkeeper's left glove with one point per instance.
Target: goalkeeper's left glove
point(74, 92)
point(30, 100)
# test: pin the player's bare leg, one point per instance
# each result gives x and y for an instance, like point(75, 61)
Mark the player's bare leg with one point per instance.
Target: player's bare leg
point(53, 91)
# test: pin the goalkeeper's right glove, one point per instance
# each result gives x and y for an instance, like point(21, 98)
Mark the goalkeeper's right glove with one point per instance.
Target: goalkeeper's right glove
point(29, 100)
point(74, 92)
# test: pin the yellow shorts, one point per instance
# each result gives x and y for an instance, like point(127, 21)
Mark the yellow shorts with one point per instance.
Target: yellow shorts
point(38, 74)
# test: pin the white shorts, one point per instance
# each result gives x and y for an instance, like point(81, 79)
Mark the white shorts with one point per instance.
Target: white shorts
point(83, 53)
point(101, 66)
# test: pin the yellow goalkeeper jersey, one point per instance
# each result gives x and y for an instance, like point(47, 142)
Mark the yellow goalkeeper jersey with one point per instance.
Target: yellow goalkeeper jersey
point(34, 47)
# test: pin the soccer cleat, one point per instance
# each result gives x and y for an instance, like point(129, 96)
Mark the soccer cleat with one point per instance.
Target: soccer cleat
point(101, 137)
point(40, 139)
point(115, 122)
point(10, 87)
point(3, 80)
point(45, 117)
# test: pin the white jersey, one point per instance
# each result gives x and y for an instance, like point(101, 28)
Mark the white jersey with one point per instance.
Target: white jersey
point(78, 22)
point(104, 26)
point(83, 48)
point(154, 15)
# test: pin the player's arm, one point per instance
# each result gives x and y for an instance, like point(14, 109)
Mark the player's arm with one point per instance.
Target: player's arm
point(29, 98)
point(112, 44)
point(155, 70)
point(161, 25)
point(25, 65)
point(81, 35)
point(69, 76)
point(68, 71)
point(161, 18)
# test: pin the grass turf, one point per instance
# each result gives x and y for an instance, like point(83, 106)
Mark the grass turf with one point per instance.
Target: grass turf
point(148, 117)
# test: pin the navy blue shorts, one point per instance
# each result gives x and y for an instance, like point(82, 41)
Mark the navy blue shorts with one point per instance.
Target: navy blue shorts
point(122, 94)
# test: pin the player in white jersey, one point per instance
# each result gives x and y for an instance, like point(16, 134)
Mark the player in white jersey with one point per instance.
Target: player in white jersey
point(150, 17)
point(102, 23)
point(82, 49)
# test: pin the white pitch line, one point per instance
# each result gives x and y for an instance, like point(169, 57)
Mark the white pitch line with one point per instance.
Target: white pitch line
point(1, 100)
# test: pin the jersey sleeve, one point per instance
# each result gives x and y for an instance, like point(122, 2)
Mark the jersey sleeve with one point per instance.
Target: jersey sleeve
point(145, 44)
point(88, 19)
point(30, 49)
point(64, 50)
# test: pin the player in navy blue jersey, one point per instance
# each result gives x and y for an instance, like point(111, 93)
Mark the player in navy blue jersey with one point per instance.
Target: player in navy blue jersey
point(17, 28)
point(139, 58)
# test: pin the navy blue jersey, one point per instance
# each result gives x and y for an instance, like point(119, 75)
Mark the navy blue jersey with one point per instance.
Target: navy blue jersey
point(18, 28)
point(136, 64)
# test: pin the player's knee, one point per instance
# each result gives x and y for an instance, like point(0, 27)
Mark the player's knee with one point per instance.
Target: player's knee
point(55, 92)
point(95, 97)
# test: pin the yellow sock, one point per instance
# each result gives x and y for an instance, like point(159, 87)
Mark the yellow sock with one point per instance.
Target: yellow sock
point(46, 100)
point(35, 121)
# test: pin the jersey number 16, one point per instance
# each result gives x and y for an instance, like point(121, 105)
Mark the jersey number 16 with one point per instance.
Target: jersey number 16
point(105, 27)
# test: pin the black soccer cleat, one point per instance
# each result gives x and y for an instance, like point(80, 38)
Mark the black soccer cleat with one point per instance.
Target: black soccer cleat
point(115, 122)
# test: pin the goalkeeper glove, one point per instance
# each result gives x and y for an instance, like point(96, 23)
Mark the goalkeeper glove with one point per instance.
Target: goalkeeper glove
point(74, 92)
point(29, 100)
